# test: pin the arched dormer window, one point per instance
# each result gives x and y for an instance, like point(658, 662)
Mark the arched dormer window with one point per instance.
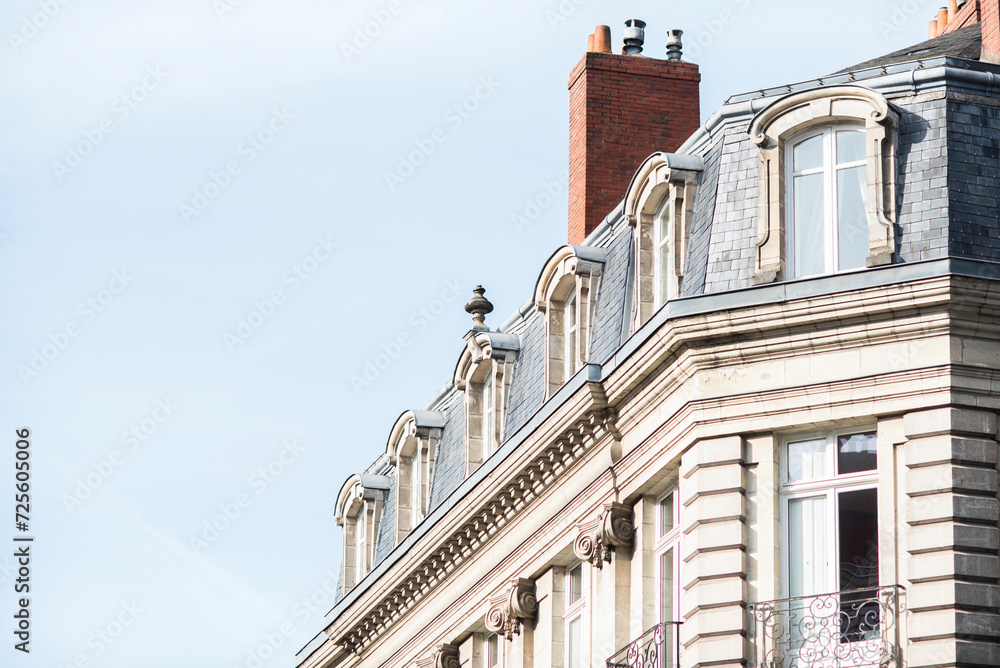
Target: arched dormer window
point(566, 292)
point(412, 449)
point(483, 373)
point(359, 510)
point(659, 204)
point(826, 183)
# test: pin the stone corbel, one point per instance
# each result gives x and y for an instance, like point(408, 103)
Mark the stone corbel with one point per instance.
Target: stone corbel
point(511, 608)
point(446, 656)
point(599, 538)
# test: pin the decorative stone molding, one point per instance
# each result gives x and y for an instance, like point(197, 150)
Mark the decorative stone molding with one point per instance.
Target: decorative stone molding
point(446, 656)
point(483, 523)
point(665, 183)
point(510, 608)
point(775, 125)
point(599, 538)
point(412, 449)
point(571, 272)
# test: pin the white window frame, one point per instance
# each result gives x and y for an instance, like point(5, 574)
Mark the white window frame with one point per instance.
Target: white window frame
point(493, 651)
point(661, 248)
point(571, 334)
point(830, 169)
point(489, 413)
point(577, 610)
point(666, 541)
point(360, 543)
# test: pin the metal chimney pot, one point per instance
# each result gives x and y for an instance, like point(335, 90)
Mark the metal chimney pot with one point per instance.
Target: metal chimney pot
point(674, 44)
point(635, 36)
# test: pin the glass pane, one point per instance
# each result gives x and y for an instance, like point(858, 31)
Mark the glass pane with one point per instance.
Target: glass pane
point(493, 651)
point(856, 453)
point(807, 460)
point(666, 514)
point(858, 520)
point(852, 217)
point(576, 584)
point(808, 154)
point(850, 146)
point(575, 644)
point(808, 555)
point(809, 252)
point(667, 586)
point(664, 276)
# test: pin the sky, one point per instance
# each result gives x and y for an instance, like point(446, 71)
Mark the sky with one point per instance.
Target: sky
point(236, 237)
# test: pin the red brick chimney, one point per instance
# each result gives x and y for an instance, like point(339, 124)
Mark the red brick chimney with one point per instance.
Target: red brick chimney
point(984, 12)
point(622, 108)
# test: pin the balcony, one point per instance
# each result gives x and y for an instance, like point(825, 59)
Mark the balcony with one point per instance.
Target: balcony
point(656, 648)
point(846, 629)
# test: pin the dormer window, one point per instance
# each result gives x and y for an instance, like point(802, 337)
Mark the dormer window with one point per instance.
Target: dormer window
point(826, 183)
point(489, 414)
point(412, 449)
point(359, 510)
point(566, 293)
point(828, 230)
point(659, 204)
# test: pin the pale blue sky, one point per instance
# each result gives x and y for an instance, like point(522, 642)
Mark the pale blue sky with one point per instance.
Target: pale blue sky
point(161, 96)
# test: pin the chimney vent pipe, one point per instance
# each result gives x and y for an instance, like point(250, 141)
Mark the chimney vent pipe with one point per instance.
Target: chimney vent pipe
point(674, 44)
point(590, 42)
point(602, 39)
point(942, 20)
point(635, 36)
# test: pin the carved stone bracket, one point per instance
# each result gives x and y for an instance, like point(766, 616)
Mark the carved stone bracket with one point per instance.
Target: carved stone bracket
point(510, 608)
point(599, 538)
point(446, 656)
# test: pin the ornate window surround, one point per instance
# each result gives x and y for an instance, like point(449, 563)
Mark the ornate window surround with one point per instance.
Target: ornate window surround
point(412, 449)
point(572, 270)
point(663, 180)
point(361, 495)
point(793, 114)
point(487, 354)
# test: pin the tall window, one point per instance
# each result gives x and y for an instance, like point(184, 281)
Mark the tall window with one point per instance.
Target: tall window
point(492, 651)
point(416, 478)
point(571, 324)
point(489, 414)
point(576, 645)
point(661, 254)
point(360, 563)
point(667, 551)
point(830, 512)
point(828, 191)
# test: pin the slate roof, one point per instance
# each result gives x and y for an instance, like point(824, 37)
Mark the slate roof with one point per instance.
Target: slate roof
point(948, 196)
point(964, 43)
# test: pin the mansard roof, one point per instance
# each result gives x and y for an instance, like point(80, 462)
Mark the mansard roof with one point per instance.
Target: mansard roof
point(963, 43)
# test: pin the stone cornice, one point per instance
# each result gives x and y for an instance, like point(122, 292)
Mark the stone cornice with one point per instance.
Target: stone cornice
point(599, 538)
point(508, 609)
point(481, 523)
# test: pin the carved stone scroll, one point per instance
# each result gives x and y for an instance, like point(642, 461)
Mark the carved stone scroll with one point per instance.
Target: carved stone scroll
point(599, 538)
point(510, 608)
point(446, 656)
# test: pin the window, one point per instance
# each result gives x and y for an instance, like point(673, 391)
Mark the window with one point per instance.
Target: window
point(360, 561)
point(359, 510)
point(667, 570)
point(412, 450)
point(566, 295)
point(829, 491)
point(575, 638)
point(492, 651)
point(489, 415)
point(659, 204)
point(826, 188)
point(828, 202)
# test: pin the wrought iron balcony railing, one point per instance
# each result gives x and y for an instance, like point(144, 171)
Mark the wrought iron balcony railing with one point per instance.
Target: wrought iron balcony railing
point(659, 647)
point(846, 629)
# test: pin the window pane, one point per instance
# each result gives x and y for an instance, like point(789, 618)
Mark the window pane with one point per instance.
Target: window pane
point(664, 275)
point(852, 217)
point(808, 555)
point(666, 514)
point(856, 453)
point(808, 154)
point(667, 586)
point(858, 539)
point(575, 644)
point(807, 460)
point(493, 651)
point(576, 584)
point(809, 252)
point(850, 146)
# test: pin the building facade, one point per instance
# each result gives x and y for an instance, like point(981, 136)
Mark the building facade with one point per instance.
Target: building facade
point(748, 416)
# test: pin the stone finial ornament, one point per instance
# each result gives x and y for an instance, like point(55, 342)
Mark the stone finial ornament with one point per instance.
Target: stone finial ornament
point(479, 306)
point(509, 609)
point(598, 539)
